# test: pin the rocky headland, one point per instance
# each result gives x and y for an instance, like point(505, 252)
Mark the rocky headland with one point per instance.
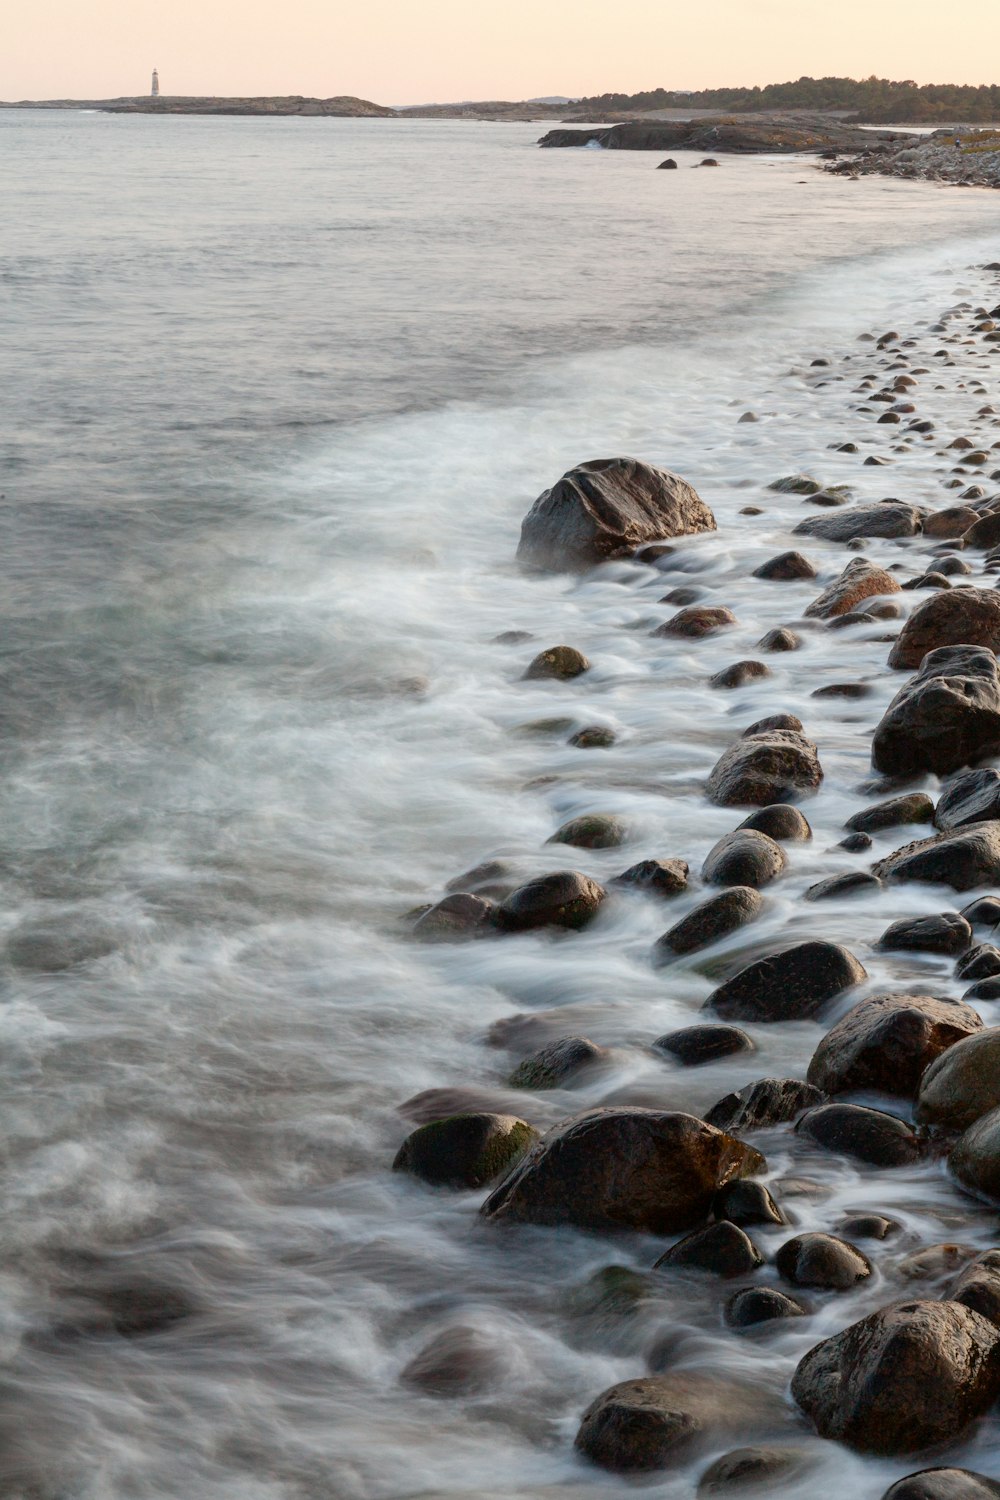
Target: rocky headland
point(738, 135)
point(867, 1058)
point(965, 158)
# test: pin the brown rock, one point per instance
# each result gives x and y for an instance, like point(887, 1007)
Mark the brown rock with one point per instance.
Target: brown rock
point(561, 662)
point(790, 985)
point(859, 580)
point(787, 565)
point(696, 621)
point(963, 1084)
point(889, 518)
point(944, 718)
point(962, 860)
point(764, 768)
point(885, 1043)
point(957, 617)
point(745, 857)
point(565, 899)
point(954, 521)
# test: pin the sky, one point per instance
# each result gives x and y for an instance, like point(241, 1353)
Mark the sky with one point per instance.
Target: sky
point(423, 51)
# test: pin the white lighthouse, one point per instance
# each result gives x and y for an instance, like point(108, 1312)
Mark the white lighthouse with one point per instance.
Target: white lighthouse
point(154, 91)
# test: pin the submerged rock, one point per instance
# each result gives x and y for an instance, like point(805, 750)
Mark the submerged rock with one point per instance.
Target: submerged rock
point(903, 1379)
point(944, 718)
point(764, 768)
point(457, 916)
point(625, 1168)
point(887, 518)
point(886, 1042)
point(465, 1151)
point(458, 1361)
point(791, 985)
point(592, 831)
point(557, 1064)
point(607, 508)
point(560, 662)
point(751, 1471)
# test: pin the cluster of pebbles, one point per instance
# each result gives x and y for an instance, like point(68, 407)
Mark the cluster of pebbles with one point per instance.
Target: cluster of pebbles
point(904, 1075)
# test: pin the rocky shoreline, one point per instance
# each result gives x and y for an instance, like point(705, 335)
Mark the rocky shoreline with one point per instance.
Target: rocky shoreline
point(965, 158)
point(900, 1073)
point(735, 135)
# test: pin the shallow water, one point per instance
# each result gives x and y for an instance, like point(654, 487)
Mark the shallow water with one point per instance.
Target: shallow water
point(278, 394)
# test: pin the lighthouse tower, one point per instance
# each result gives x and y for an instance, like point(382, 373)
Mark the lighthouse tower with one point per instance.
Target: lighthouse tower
point(154, 91)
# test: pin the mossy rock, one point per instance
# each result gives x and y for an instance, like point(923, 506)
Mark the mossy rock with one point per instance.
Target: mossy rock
point(465, 1151)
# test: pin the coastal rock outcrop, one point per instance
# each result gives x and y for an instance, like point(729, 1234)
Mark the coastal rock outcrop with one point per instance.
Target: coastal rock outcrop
point(945, 717)
point(607, 508)
point(626, 1168)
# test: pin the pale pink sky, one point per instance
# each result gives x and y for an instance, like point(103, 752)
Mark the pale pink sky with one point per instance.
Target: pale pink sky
point(415, 51)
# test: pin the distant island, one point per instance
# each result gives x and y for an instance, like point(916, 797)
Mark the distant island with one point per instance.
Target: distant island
point(342, 106)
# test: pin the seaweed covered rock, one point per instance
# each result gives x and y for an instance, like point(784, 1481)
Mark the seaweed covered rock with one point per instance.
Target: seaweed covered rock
point(885, 1043)
point(625, 1168)
point(607, 507)
point(903, 1379)
point(944, 718)
point(465, 1151)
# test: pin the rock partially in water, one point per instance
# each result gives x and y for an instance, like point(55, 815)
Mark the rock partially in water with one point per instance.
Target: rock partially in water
point(696, 621)
point(769, 1101)
point(963, 1084)
point(456, 917)
point(787, 565)
point(870, 1135)
point(560, 662)
point(564, 899)
point(592, 831)
point(851, 882)
point(975, 1160)
point(791, 985)
point(746, 1201)
point(558, 1064)
point(722, 1248)
point(760, 1304)
point(657, 877)
point(978, 1286)
point(796, 484)
point(781, 639)
point(772, 721)
point(457, 1362)
point(739, 674)
point(869, 1227)
point(962, 860)
point(887, 518)
point(822, 1260)
point(694, 1045)
point(745, 857)
point(903, 1379)
point(593, 737)
point(946, 932)
point(465, 1151)
point(751, 1471)
point(944, 718)
point(627, 1168)
point(981, 962)
point(958, 617)
point(859, 580)
point(969, 797)
point(885, 1043)
point(914, 807)
point(780, 821)
point(943, 1484)
point(761, 769)
point(607, 508)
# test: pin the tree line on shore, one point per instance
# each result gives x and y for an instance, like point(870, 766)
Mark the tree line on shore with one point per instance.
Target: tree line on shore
point(871, 100)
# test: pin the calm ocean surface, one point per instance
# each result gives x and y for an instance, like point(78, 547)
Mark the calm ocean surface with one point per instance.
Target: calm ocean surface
point(276, 394)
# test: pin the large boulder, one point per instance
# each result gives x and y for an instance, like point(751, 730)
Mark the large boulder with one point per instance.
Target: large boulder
point(791, 985)
point(963, 1084)
point(903, 1379)
point(969, 797)
point(869, 1135)
point(465, 1151)
point(975, 1160)
point(886, 1042)
point(654, 1422)
point(943, 932)
point(761, 769)
point(944, 718)
point(888, 518)
point(744, 857)
point(624, 1168)
point(607, 508)
point(859, 580)
point(962, 860)
point(958, 617)
point(564, 899)
point(944, 1484)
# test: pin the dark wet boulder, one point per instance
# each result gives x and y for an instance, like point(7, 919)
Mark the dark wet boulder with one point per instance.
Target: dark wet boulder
point(943, 1484)
point(885, 1043)
point(656, 877)
point(791, 985)
point(905, 1378)
point(860, 580)
point(985, 532)
point(457, 916)
point(692, 1046)
point(608, 508)
point(624, 1168)
point(786, 566)
point(945, 932)
point(746, 857)
point(721, 1248)
point(850, 883)
point(975, 1159)
point(708, 923)
point(914, 807)
point(769, 1101)
point(952, 522)
point(764, 726)
point(780, 821)
point(780, 639)
point(655, 1422)
point(958, 617)
point(593, 737)
point(963, 1084)
point(870, 1135)
point(869, 1227)
point(458, 1361)
point(946, 717)
point(592, 831)
point(697, 620)
point(983, 912)
point(983, 989)
point(558, 1064)
point(969, 797)
point(981, 962)
point(856, 843)
point(746, 1201)
point(760, 1304)
point(962, 860)
point(667, 166)
point(851, 690)
point(884, 519)
point(739, 674)
point(763, 768)
point(822, 1260)
point(978, 1286)
point(564, 899)
point(465, 1151)
point(751, 1471)
point(560, 662)
point(796, 484)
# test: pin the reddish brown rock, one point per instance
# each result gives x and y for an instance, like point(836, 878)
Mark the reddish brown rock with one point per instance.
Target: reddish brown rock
point(956, 617)
point(696, 621)
point(859, 580)
point(887, 1041)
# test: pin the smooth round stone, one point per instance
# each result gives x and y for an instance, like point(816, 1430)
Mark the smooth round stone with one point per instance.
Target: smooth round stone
point(750, 1471)
point(746, 1201)
point(559, 662)
point(822, 1260)
point(723, 1249)
point(781, 822)
point(869, 1227)
point(760, 1304)
point(694, 1045)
